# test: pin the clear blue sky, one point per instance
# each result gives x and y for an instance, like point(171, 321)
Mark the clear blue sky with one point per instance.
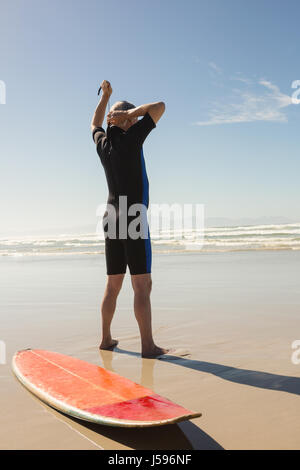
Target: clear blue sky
point(229, 137)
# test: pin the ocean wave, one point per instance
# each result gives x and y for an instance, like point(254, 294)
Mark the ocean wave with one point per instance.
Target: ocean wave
point(212, 239)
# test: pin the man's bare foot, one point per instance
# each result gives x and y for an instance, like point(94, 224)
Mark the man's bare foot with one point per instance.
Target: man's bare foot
point(109, 345)
point(154, 352)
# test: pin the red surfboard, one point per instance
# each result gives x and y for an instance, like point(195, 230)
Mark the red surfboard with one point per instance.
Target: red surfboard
point(91, 393)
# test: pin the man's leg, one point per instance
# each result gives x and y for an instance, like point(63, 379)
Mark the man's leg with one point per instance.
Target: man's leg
point(142, 285)
point(113, 287)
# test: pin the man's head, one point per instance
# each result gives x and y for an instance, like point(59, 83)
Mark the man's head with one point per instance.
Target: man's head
point(124, 106)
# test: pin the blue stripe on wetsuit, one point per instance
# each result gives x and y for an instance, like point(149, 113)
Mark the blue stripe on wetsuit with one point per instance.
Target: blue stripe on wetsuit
point(146, 202)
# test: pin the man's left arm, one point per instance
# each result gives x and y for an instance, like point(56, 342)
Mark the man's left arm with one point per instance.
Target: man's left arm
point(99, 114)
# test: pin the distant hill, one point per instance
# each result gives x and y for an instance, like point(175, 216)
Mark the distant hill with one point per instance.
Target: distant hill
point(224, 221)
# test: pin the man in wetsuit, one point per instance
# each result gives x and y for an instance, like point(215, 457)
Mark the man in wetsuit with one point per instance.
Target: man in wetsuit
point(121, 154)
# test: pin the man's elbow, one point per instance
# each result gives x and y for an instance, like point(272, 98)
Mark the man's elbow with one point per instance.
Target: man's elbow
point(157, 110)
point(162, 107)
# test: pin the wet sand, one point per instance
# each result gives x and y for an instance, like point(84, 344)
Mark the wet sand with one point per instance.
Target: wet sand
point(238, 314)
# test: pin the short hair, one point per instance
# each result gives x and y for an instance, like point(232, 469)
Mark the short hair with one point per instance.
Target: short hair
point(122, 106)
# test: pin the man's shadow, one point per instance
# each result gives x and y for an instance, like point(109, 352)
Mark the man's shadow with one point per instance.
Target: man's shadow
point(254, 378)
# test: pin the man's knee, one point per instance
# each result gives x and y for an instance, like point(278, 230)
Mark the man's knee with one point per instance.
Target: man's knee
point(112, 291)
point(142, 285)
point(114, 285)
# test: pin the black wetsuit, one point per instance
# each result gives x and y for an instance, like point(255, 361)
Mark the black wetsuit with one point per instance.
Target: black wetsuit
point(121, 154)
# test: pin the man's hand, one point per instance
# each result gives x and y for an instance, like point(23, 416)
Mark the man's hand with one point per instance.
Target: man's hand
point(117, 117)
point(106, 88)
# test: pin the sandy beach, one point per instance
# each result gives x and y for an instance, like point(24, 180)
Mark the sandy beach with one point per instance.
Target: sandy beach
point(237, 313)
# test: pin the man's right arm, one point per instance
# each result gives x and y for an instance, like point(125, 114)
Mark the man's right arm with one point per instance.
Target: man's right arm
point(155, 110)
